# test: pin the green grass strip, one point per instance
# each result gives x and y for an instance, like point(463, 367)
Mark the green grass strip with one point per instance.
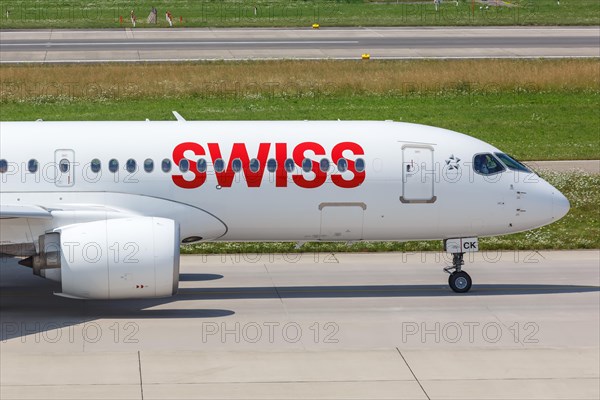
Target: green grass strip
point(553, 125)
point(40, 14)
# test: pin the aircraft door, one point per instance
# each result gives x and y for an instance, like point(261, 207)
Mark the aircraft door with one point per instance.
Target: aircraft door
point(418, 174)
point(65, 167)
point(342, 221)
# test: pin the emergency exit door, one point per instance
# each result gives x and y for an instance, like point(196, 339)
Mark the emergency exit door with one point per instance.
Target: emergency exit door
point(418, 174)
point(65, 167)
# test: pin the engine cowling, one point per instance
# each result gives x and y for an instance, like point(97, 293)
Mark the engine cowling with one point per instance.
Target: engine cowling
point(112, 259)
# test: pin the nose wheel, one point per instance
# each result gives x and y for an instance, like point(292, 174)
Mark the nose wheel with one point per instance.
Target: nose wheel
point(459, 280)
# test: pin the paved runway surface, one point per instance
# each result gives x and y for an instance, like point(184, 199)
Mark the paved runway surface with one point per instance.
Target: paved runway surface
point(587, 166)
point(345, 43)
point(315, 326)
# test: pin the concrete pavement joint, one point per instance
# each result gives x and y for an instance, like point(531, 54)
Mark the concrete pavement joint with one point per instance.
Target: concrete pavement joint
point(413, 373)
point(274, 286)
point(140, 371)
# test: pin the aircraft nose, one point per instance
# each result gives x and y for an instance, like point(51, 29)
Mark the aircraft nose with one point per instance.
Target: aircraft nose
point(560, 205)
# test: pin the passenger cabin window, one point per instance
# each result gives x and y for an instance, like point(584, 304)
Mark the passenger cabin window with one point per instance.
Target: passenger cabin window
point(360, 165)
point(236, 165)
point(254, 165)
point(201, 165)
point(95, 165)
point(219, 165)
point(148, 165)
point(3, 166)
point(64, 166)
point(272, 165)
point(131, 165)
point(184, 165)
point(289, 165)
point(342, 165)
point(32, 166)
point(113, 165)
point(307, 165)
point(324, 164)
point(511, 163)
point(487, 164)
point(166, 165)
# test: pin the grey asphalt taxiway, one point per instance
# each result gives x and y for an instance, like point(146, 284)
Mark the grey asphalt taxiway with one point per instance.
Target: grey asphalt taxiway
point(585, 166)
point(131, 45)
point(315, 326)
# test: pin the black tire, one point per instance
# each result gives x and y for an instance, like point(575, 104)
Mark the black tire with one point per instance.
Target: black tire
point(460, 282)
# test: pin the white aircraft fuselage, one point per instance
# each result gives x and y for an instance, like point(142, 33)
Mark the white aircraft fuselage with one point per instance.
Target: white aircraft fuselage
point(260, 181)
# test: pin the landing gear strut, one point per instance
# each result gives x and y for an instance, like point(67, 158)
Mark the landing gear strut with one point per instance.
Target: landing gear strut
point(459, 280)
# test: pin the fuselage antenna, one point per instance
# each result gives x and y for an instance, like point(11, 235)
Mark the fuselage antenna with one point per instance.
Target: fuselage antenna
point(178, 116)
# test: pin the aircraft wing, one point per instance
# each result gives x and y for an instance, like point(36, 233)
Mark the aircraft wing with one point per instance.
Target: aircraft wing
point(23, 211)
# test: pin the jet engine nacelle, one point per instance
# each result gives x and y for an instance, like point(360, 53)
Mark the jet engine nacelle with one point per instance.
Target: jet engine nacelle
point(112, 259)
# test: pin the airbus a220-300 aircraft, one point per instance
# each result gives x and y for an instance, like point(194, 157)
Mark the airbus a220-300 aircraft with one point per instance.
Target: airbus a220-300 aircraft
point(102, 207)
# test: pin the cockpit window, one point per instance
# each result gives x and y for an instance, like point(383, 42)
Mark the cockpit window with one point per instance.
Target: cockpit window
point(511, 163)
point(487, 164)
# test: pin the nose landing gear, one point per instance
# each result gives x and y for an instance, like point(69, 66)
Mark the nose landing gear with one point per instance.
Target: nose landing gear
point(459, 280)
